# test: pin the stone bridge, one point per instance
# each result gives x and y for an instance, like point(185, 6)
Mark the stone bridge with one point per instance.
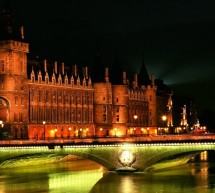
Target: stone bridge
point(113, 154)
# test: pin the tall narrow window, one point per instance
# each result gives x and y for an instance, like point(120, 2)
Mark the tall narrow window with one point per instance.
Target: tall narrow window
point(46, 96)
point(20, 117)
point(150, 98)
point(72, 115)
point(117, 118)
point(66, 115)
point(39, 96)
point(2, 84)
point(104, 118)
point(90, 116)
point(117, 109)
point(2, 65)
point(21, 65)
point(15, 117)
point(16, 100)
point(54, 115)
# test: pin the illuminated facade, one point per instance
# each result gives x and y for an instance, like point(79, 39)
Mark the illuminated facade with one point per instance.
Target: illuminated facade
point(49, 103)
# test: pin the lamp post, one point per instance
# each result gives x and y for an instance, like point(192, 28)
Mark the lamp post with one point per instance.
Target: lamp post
point(44, 123)
point(2, 125)
point(87, 132)
point(69, 131)
point(135, 118)
point(115, 131)
point(55, 132)
point(148, 131)
point(164, 119)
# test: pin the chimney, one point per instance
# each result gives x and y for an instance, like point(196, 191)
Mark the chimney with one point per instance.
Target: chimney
point(106, 75)
point(74, 70)
point(45, 65)
point(86, 72)
point(124, 81)
point(152, 79)
point(55, 67)
point(135, 80)
point(22, 32)
point(62, 68)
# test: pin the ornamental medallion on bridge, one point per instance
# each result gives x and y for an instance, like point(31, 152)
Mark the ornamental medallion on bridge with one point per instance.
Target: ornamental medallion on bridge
point(126, 157)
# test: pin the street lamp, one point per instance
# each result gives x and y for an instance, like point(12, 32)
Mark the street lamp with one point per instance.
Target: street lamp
point(135, 118)
point(115, 131)
point(55, 131)
point(44, 123)
point(69, 131)
point(164, 117)
point(2, 125)
point(87, 132)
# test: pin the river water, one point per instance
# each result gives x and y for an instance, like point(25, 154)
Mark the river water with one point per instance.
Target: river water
point(83, 176)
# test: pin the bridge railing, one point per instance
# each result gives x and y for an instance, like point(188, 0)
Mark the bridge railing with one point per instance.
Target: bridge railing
point(123, 139)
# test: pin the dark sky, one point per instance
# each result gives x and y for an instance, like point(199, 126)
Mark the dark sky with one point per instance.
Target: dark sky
point(176, 38)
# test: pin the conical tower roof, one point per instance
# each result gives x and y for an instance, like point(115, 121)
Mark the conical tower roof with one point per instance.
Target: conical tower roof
point(116, 72)
point(98, 70)
point(143, 76)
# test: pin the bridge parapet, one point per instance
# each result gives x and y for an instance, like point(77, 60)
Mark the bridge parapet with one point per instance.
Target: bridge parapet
point(101, 140)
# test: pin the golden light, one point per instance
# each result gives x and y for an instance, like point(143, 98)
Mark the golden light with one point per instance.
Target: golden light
point(135, 117)
point(164, 118)
point(101, 129)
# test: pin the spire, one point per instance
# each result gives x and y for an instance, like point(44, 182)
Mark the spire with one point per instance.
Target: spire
point(116, 72)
point(143, 76)
point(98, 71)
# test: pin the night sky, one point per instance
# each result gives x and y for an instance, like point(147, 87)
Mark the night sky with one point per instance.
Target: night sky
point(175, 39)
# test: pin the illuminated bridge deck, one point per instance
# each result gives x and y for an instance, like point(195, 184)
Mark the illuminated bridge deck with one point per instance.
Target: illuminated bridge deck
point(113, 140)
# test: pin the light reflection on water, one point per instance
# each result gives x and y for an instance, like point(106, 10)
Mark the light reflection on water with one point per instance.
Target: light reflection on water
point(85, 176)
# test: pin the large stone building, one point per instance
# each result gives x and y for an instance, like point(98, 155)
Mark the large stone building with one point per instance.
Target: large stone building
point(44, 101)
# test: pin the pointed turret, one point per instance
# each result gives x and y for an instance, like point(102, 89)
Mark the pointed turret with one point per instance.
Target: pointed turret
point(143, 76)
point(98, 71)
point(116, 72)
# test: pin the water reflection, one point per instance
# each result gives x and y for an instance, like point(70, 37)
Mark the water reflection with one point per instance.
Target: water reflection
point(53, 178)
point(87, 177)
